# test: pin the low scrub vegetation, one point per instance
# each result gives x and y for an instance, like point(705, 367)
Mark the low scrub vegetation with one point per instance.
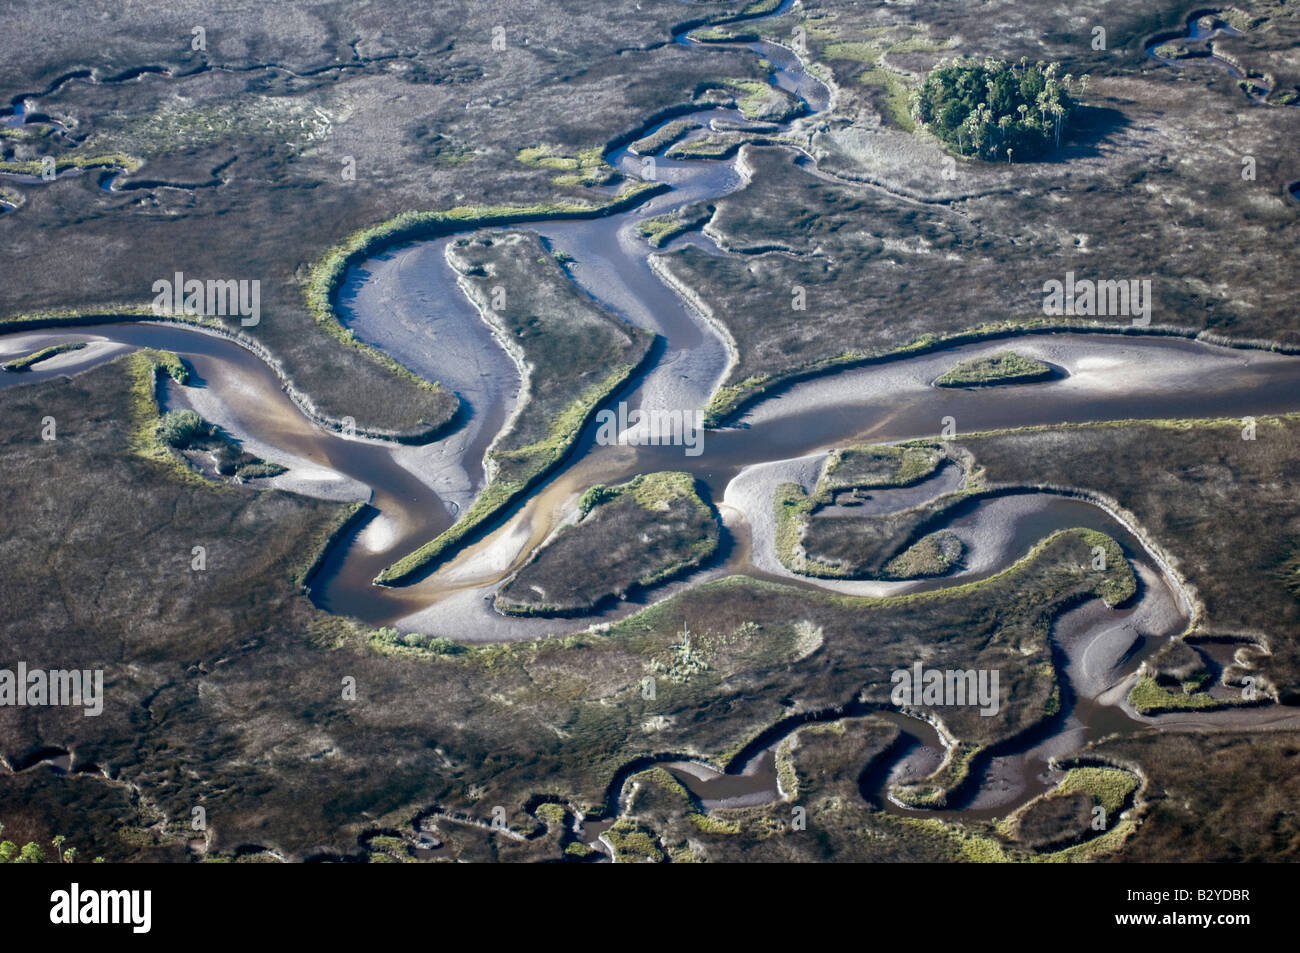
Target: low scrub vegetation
point(1005, 368)
point(662, 137)
point(662, 229)
point(25, 363)
point(186, 430)
point(872, 466)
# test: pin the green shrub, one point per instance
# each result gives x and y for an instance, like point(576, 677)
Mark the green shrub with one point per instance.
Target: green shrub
point(31, 854)
point(170, 363)
point(709, 824)
point(388, 637)
point(595, 496)
point(435, 644)
point(633, 844)
point(252, 471)
point(180, 428)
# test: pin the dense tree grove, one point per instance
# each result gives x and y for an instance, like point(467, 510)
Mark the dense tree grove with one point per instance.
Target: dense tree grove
point(996, 110)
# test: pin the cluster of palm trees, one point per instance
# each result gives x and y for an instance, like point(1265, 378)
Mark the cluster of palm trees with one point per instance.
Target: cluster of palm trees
point(994, 110)
point(33, 853)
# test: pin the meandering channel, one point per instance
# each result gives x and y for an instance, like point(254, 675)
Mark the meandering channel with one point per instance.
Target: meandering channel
point(405, 301)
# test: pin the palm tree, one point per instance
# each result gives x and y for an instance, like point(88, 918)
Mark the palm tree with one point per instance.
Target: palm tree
point(1059, 112)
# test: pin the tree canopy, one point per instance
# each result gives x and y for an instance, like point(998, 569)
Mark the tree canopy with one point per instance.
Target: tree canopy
point(994, 110)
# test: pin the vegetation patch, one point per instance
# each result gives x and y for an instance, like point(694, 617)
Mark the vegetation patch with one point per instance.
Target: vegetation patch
point(385, 848)
point(791, 507)
point(184, 430)
point(169, 363)
point(1149, 697)
point(416, 644)
point(34, 853)
point(172, 438)
point(901, 544)
point(822, 546)
point(115, 161)
point(1087, 803)
point(1004, 368)
point(1178, 665)
point(28, 131)
point(633, 844)
point(718, 35)
point(631, 536)
point(993, 110)
point(662, 137)
point(1110, 788)
point(932, 555)
point(897, 95)
point(711, 824)
point(831, 545)
point(721, 145)
point(875, 466)
point(588, 168)
point(25, 363)
point(1289, 572)
point(662, 229)
point(758, 101)
point(143, 370)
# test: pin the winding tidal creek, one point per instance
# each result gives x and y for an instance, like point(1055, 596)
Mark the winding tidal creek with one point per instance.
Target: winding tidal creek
point(406, 302)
